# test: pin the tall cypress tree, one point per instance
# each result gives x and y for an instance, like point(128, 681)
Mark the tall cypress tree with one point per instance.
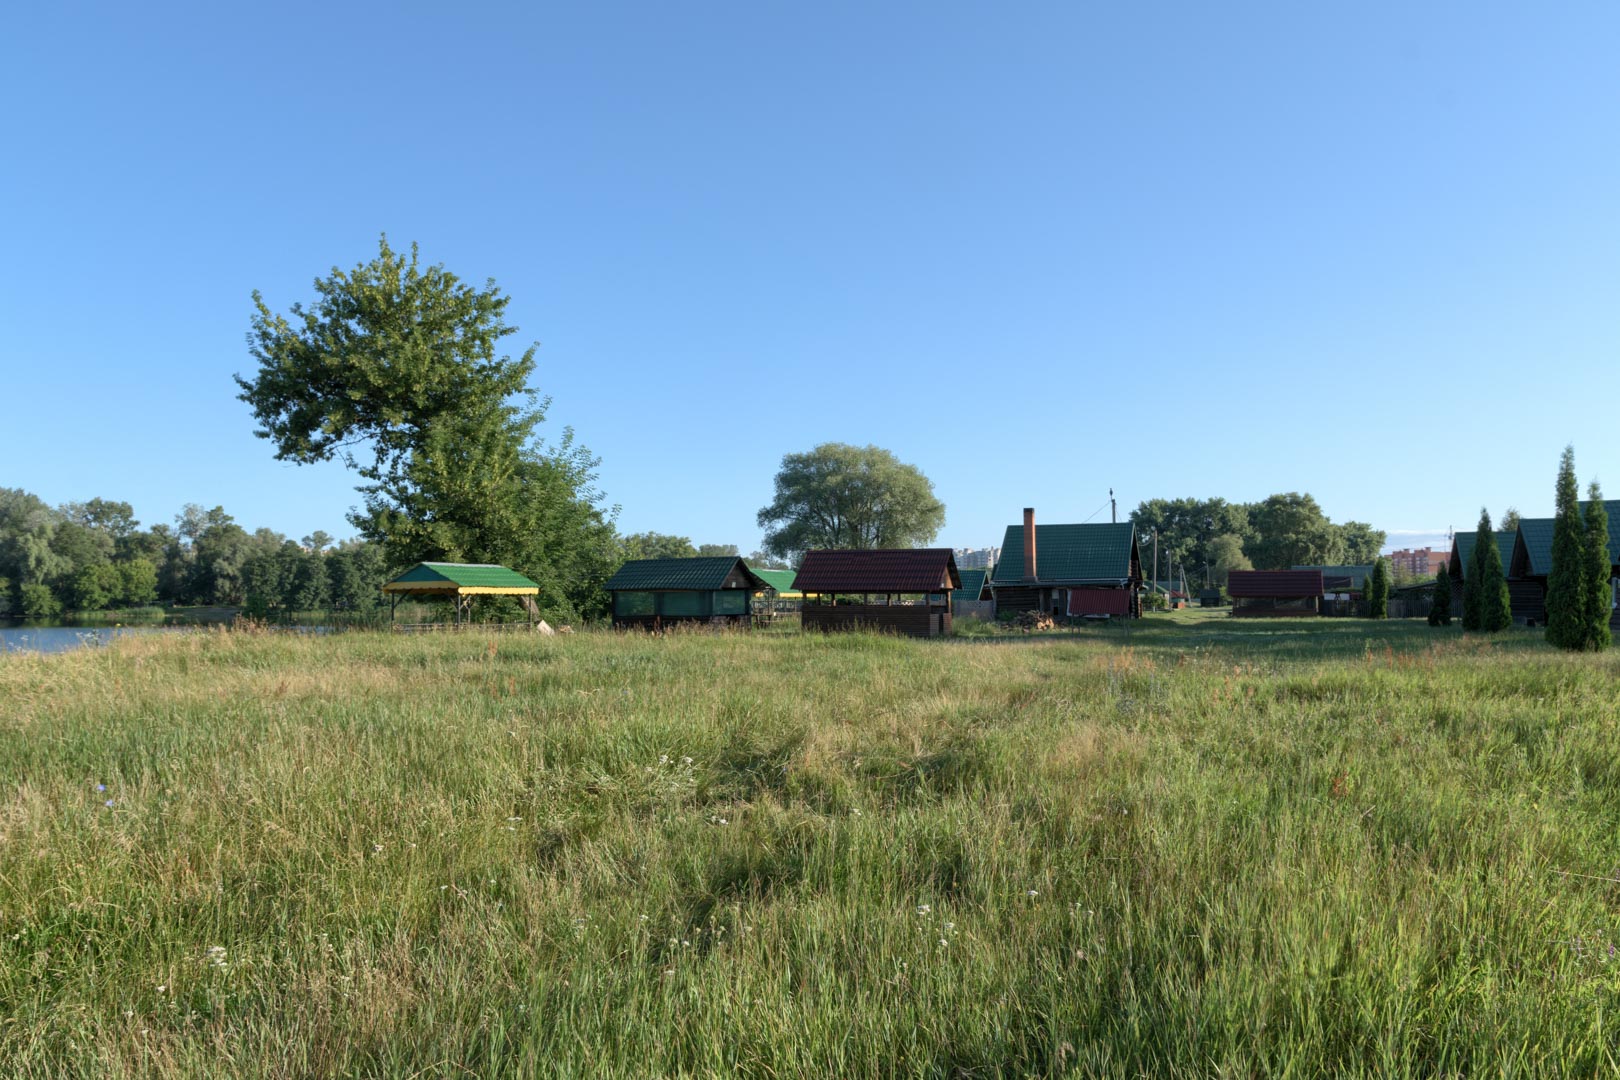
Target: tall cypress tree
point(1378, 593)
point(1599, 570)
point(1495, 605)
point(1440, 610)
point(1566, 603)
point(1474, 573)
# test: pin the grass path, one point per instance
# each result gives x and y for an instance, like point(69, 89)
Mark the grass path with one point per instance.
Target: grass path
point(1197, 847)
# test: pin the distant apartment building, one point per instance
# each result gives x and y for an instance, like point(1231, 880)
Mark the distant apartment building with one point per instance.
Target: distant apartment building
point(977, 558)
point(1417, 562)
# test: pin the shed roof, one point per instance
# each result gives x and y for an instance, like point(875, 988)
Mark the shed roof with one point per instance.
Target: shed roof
point(974, 583)
point(1088, 554)
point(1357, 573)
point(779, 580)
point(1536, 537)
point(701, 574)
point(1275, 584)
point(1462, 551)
point(463, 578)
point(882, 571)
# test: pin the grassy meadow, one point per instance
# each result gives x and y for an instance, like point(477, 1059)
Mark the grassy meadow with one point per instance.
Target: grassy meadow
point(1192, 847)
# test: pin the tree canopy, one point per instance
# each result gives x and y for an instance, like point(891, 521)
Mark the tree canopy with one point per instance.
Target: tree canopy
point(396, 370)
point(842, 496)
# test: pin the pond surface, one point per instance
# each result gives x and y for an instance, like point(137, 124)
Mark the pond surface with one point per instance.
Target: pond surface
point(24, 637)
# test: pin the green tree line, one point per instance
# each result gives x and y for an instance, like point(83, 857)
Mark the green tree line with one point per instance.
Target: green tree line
point(1212, 537)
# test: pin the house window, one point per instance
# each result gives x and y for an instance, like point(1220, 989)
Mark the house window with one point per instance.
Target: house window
point(682, 604)
point(731, 602)
point(632, 603)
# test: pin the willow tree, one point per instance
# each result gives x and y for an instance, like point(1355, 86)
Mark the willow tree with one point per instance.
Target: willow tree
point(841, 496)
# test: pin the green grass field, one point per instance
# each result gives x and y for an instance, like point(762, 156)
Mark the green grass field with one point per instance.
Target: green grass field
point(1196, 847)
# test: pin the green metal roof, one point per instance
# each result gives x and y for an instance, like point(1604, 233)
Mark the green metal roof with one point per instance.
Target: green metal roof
point(466, 575)
point(1357, 573)
point(1069, 553)
point(973, 580)
point(1463, 547)
point(1537, 534)
point(704, 574)
point(780, 580)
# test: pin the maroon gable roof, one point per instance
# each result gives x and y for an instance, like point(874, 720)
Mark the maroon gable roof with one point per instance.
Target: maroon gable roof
point(1274, 584)
point(886, 571)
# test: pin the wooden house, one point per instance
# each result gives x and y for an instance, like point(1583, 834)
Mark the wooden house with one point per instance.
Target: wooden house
point(1074, 570)
point(1275, 593)
point(654, 593)
point(903, 591)
point(1531, 563)
point(1525, 597)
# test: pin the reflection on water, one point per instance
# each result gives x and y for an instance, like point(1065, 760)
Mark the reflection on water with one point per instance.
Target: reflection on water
point(23, 637)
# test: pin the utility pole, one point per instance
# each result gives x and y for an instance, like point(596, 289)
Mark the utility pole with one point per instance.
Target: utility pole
point(1155, 559)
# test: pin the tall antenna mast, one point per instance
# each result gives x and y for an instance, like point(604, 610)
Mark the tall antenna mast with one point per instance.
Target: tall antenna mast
point(1113, 508)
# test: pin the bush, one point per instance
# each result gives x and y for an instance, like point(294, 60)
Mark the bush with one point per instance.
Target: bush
point(38, 602)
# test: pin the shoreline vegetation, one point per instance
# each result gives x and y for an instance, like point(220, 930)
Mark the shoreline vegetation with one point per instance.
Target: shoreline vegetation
point(1199, 846)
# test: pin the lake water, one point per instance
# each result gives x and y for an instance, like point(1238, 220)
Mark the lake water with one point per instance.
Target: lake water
point(25, 638)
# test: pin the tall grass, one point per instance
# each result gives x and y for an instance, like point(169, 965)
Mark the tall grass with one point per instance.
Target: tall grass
point(1187, 848)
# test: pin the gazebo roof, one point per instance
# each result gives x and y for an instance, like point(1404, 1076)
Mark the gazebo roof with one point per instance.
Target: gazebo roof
point(893, 570)
point(462, 579)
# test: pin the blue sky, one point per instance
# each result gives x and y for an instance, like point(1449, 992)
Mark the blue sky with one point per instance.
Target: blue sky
point(1038, 251)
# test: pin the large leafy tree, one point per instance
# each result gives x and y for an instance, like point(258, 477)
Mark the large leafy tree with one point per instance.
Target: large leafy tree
point(1360, 543)
point(842, 496)
point(1188, 530)
point(1566, 603)
point(396, 369)
point(1290, 529)
point(1598, 591)
point(655, 545)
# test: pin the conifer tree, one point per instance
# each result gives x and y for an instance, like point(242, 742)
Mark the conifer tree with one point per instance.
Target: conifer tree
point(1599, 570)
point(1566, 603)
point(1473, 620)
point(1440, 610)
point(1378, 592)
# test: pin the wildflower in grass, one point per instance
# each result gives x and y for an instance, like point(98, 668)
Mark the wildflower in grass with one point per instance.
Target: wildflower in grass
point(162, 989)
point(686, 761)
point(924, 909)
point(1033, 893)
point(101, 787)
point(218, 957)
point(377, 848)
point(111, 803)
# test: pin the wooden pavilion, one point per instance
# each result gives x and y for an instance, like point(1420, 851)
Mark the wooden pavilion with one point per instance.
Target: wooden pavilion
point(1275, 593)
point(459, 583)
point(907, 591)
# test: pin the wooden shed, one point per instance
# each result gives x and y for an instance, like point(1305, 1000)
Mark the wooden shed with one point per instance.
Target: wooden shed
point(1077, 570)
point(1275, 593)
point(1343, 586)
point(974, 599)
point(904, 591)
point(653, 593)
point(459, 583)
point(1531, 563)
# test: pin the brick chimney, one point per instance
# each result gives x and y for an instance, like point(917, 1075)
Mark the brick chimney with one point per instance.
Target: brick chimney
point(1029, 545)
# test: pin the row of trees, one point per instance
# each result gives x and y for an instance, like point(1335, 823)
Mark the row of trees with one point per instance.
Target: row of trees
point(94, 556)
point(1212, 537)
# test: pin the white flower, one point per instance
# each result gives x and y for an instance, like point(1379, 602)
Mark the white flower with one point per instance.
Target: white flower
point(1033, 893)
point(924, 909)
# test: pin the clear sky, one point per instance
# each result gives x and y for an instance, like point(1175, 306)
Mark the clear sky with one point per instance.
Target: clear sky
point(1367, 251)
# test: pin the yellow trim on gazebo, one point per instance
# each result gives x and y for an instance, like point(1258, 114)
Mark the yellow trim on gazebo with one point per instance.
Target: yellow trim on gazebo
point(446, 588)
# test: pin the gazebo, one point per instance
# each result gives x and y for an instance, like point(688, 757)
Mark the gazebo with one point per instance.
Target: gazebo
point(459, 583)
point(907, 591)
